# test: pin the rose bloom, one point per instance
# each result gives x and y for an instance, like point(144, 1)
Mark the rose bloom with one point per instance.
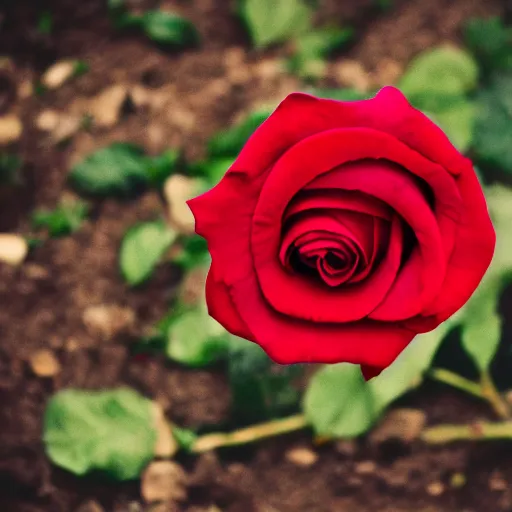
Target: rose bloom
point(342, 230)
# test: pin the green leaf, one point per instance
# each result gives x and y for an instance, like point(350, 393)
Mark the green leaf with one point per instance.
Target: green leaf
point(458, 122)
point(275, 21)
point(161, 167)
point(213, 169)
point(481, 325)
point(338, 402)
point(63, 220)
point(408, 369)
point(121, 17)
point(195, 339)
point(491, 43)
point(481, 322)
point(499, 202)
point(195, 253)
point(230, 142)
point(169, 29)
point(142, 248)
point(260, 389)
point(340, 94)
point(9, 166)
point(81, 67)
point(117, 170)
point(315, 46)
point(493, 131)
point(184, 437)
point(437, 76)
point(45, 23)
point(107, 431)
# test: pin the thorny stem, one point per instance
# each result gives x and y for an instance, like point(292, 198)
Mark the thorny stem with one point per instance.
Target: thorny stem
point(250, 434)
point(476, 431)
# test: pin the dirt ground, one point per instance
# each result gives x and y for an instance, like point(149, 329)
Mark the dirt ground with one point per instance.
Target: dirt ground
point(192, 94)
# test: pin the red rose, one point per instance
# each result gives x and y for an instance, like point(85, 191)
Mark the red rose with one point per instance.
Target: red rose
point(342, 230)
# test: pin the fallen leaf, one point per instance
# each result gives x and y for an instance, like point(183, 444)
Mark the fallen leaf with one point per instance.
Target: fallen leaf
point(13, 248)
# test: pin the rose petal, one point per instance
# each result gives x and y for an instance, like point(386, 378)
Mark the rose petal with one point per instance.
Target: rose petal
point(349, 200)
point(369, 372)
point(315, 157)
point(221, 308)
point(472, 253)
point(422, 275)
point(290, 341)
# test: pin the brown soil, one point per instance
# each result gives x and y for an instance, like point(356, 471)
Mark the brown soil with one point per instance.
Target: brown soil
point(43, 302)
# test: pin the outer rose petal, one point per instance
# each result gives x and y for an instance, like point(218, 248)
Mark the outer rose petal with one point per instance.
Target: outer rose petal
point(369, 372)
point(300, 115)
point(289, 341)
point(220, 307)
point(473, 251)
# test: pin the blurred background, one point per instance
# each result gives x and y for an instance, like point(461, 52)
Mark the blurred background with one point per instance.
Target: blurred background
point(117, 392)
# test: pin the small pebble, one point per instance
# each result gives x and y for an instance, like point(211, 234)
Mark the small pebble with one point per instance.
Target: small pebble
point(301, 457)
point(435, 488)
point(366, 467)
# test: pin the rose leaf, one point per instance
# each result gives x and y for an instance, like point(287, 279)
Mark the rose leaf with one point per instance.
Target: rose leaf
point(117, 170)
point(66, 218)
point(195, 339)
point(491, 42)
point(338, 402)
point(213, 170)
point(481, 323)
point(406, 372)
point(493, 131)
point(340, 94)
point(458, 122)
point(230, 142)
point(274, 21)
point(108, 431)
point(184, 437)
point(162, 166)
point(142, 249)
point(168, 29)
point(455, 72)
point(313, 47)
point(261, 389)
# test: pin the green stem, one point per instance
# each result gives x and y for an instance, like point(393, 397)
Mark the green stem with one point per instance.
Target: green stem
point(456, 381)
point(476, 431)
point(250, 434)
point(493, 396)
